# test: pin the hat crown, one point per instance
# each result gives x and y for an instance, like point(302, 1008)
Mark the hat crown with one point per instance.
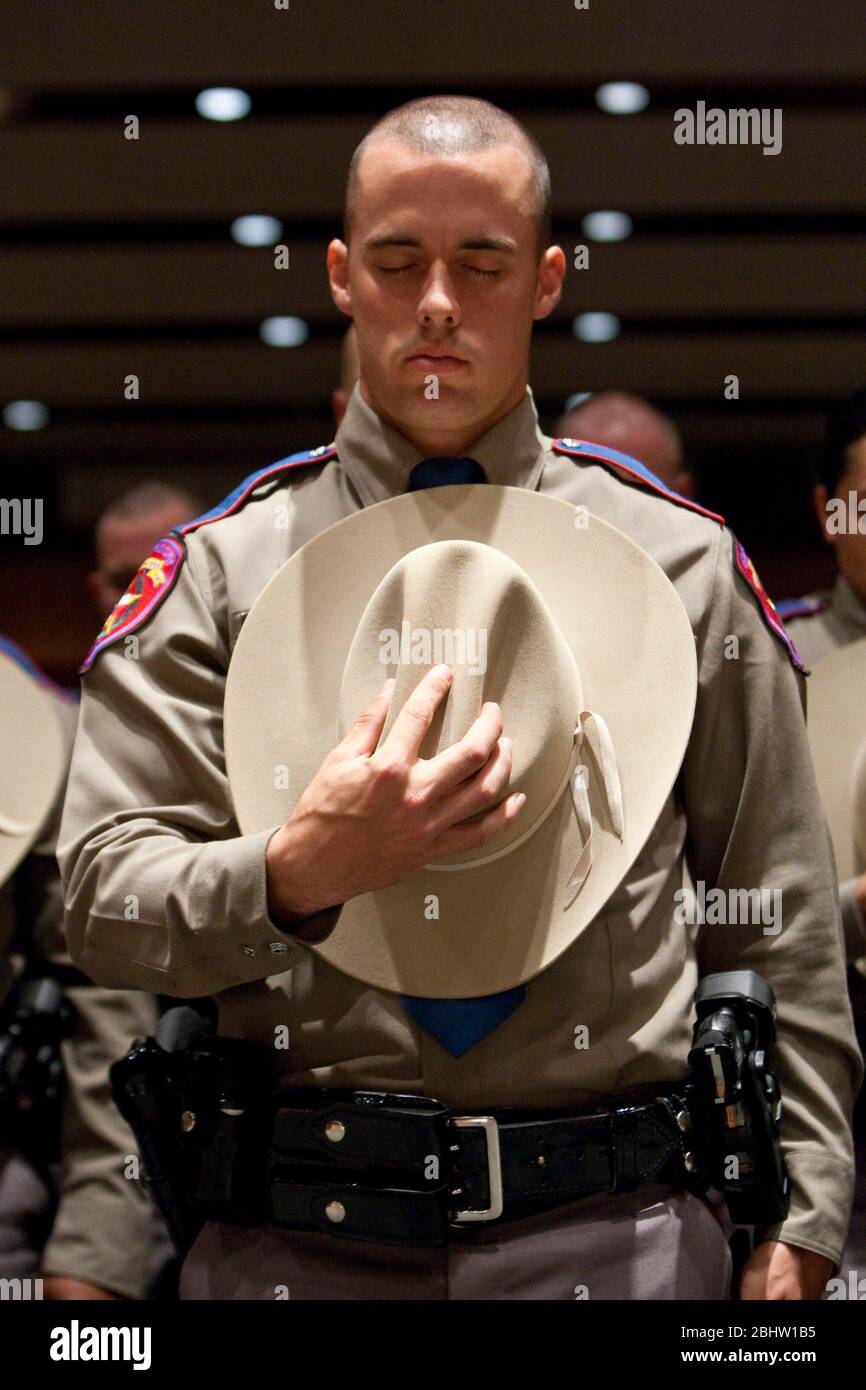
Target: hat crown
point(469, 605)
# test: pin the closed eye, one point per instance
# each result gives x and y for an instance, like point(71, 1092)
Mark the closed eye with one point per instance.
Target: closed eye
point(474, 269)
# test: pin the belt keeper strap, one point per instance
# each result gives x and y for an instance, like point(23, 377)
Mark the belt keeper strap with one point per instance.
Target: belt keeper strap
point(625, 1154)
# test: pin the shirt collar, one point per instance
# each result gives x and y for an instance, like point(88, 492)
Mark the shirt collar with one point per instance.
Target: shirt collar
point(378, 459)
point(848, 603)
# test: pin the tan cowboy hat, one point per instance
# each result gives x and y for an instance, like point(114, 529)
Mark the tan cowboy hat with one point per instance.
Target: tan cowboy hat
point(570, 626)
point(32, 760)
point(836, 708)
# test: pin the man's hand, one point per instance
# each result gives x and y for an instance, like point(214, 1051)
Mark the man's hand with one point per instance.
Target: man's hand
point(371, 815)
point(779, 1271)
point(58, 1287)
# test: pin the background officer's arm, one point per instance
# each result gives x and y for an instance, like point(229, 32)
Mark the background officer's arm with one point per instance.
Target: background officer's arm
point(162, 892)
point(755, 822)
point(103, 1227)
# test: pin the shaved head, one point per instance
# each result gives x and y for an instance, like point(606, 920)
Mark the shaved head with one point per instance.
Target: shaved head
point(451, 127)
point(630, 424)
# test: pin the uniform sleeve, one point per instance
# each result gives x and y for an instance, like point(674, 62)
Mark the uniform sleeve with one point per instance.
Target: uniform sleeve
point(104, 1223)
point(755, 823)
point(162, 892)
point(104, 1227)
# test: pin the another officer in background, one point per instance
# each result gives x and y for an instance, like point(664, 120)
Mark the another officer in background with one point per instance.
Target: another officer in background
point(821, 622)
point(84, 1225)
point(125, 533)
point(104, 1238)
point(634, 427)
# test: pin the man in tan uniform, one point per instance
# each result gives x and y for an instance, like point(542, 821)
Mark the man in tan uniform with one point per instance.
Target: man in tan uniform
point(821, 622)
point(98, 1238)
point(447, 265)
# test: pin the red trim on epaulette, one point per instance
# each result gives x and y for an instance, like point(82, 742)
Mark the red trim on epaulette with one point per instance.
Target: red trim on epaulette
point(588, 453)
point(236, 500)
point(768, 609)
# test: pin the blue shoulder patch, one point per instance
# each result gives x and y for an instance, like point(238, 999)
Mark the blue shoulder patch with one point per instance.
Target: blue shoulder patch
point(624, 463)
point(156, 575)
point(801, 607)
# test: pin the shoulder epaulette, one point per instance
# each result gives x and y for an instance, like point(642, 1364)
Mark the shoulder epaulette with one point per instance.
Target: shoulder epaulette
point(156, 576)
point(789, 608)
point(242, 493)
point(631, 469)
point(14, 652)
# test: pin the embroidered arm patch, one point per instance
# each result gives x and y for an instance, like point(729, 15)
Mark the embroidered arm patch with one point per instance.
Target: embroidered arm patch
point(766, 605)
point(152, 583)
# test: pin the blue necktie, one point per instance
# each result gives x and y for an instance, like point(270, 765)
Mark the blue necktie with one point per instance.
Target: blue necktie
point(444, 472)
point(457, 1023)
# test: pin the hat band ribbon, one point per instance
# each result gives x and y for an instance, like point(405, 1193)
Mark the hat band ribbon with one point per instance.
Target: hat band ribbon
point(592, 729)
point(605, 757)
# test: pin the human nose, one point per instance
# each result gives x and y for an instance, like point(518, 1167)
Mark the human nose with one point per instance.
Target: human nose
point(438, 306)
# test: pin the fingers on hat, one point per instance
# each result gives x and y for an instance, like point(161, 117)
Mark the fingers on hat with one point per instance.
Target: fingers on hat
point(471, 754)
point(410, 727)
point(479, 792)
point(473, 834)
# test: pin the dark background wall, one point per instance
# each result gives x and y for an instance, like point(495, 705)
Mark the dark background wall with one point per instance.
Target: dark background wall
point(116, 258)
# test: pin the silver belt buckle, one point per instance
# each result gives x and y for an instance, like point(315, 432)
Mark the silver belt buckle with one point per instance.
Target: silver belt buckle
point(494, 1167)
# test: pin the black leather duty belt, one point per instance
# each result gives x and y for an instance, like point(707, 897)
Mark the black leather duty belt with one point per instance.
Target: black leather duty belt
point(407, 1170)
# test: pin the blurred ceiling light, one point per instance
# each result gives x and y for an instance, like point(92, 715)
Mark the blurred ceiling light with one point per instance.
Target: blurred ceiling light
point(25, 415)
point(622, 98)
point(223, 104)
point(607, 226)
point(284, 330)
point(597, 328)
point(256, 229)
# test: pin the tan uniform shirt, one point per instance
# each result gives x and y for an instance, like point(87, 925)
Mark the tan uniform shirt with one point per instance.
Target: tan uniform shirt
point(823, 622)
point(149, 813)
point(103, 1226)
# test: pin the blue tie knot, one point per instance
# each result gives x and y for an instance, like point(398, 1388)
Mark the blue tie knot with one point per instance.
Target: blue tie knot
point(445, 472)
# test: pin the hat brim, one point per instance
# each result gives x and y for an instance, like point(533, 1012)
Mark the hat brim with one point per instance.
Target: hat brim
point(501, 923)
point(836, 717)
point(32, 752)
